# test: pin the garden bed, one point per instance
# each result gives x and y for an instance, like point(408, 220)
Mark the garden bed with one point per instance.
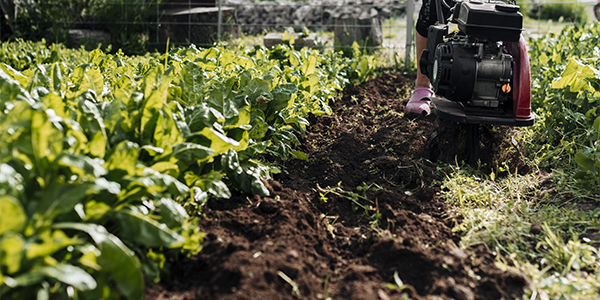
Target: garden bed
point(361, 219)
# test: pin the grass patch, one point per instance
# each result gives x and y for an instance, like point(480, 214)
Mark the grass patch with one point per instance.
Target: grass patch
point(542, 234)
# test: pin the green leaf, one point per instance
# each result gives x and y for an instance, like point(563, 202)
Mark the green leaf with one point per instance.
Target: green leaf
point(13, 76)
point(123, 157)
point(92, 123)
point(288, 136)
point(299, 155)
point(364, 67)
point(294, 59)
point(257, 88)
point(12, 214)
point(97, 146)
point(109, 186)
point(60, 198)
point(30, 278)
point(221, 98)
point(143, 230)
point(575, 75)
point(172, 213)
point(50, 242)
point(95, 210)
point(219, 142)
point(543, 59)
point(210, 183)
point(199, 196)
point(298, 123)
point(257, 187)
point(82, 166)
point(283, 97)
point(596, 124)
point(584, 161)
point(192, 152)
point(248, 179)
point(56, 103)
point(11, 182)
point(152, 265)
point(155, 95)
point(156, 182)
point(202, 116)
point(11, 90)
point(152, 150)
point(116, 259)
point(85, 79)
point(71, 275)
point(11, 252)
point(89, 257)
point(38, 81)
point(192, 81)
point(46, 141)
point(259, 128)
point(56, 78)
point(44, 292)
point(166, 167)
point(311, 84)
point(242, 136)
point(243, 118)
point(111, 113)
point(166, 132)
point(309, 65)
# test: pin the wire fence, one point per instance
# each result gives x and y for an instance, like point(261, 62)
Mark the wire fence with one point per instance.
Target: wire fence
point(138, 25)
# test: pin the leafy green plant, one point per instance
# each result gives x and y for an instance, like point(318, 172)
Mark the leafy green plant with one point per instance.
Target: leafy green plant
point(104, 156)
point(572, 256)
point(22, 55)
point(566, 91)
point(77, 213)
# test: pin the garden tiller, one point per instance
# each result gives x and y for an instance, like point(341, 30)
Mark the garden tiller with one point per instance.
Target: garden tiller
point(480, 73)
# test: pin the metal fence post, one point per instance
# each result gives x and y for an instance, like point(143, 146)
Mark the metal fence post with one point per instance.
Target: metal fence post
point(220, 22)
point(410, 9)
point(157, 24)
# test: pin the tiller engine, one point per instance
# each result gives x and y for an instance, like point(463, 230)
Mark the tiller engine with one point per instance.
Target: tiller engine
point(481, 71)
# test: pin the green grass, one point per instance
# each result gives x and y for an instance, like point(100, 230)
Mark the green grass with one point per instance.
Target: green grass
point(503, 214)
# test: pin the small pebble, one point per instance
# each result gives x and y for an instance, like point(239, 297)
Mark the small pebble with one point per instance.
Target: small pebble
point(535, 228)
point(382, 295)
point(463, 293)
point(268, 206)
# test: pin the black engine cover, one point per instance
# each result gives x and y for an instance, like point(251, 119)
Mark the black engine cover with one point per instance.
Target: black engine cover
point(471, 72)
point(493, 20)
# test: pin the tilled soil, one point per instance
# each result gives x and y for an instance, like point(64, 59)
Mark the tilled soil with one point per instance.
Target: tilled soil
point(361, 219)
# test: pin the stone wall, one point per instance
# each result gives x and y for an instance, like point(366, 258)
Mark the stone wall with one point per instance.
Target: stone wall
point(265, 16)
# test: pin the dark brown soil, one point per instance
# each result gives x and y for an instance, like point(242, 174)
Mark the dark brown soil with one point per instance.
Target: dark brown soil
point(317, 235)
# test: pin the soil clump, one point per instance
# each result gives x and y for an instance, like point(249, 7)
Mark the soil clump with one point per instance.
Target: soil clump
point(361, 219)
